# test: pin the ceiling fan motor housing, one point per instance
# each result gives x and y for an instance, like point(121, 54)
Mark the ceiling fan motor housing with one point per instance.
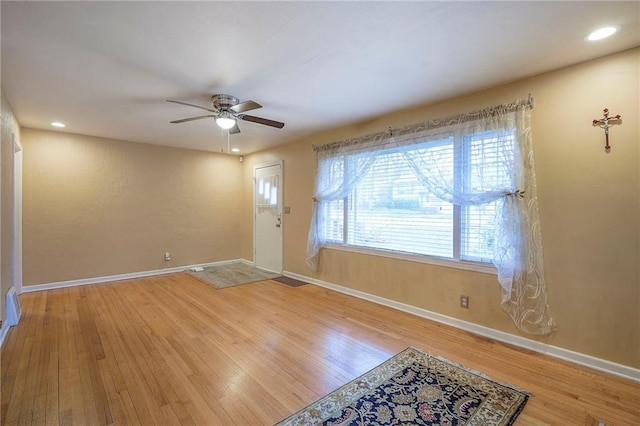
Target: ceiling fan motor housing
point(224, 102)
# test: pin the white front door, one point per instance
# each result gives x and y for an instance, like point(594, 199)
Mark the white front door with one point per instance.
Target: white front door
point(267, 208)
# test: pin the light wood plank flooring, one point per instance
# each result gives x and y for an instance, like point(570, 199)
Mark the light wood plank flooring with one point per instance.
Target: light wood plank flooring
point(173, 350)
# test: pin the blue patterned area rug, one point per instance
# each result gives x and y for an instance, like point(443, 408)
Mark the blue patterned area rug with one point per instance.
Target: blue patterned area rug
point(415, 388)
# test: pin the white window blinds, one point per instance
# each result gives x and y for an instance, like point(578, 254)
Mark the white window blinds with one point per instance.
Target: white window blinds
point(391, 209)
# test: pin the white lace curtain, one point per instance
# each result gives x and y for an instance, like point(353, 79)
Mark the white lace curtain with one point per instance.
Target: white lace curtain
point(504, 175)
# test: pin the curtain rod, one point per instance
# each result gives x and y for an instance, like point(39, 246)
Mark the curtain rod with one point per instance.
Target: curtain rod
point(432, 124)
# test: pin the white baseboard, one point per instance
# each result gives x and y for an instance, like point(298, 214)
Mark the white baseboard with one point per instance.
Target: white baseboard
point(120, 277)
point(11, 313)
point(3, 332)
point(12, 310)
point(543, 348)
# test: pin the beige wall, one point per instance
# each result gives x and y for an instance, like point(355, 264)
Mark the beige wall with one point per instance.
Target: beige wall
point(589, 207)
point(9, 129)
point(97, 207)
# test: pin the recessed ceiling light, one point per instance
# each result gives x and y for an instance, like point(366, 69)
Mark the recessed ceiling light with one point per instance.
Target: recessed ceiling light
point(58, 124)
point(235, 150)
point(602, 33)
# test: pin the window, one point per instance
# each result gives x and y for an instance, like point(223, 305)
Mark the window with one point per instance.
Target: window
point(403, 203)
point(460, 188)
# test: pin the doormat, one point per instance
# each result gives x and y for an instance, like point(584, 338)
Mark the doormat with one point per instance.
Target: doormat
point(416, 388)
point(290, 281)
point(232, 274)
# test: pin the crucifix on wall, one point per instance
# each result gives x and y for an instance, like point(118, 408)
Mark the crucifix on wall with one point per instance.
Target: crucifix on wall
point(605, 124)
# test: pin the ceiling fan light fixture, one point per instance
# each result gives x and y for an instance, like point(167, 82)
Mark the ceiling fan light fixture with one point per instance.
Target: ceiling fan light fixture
point(225, 122)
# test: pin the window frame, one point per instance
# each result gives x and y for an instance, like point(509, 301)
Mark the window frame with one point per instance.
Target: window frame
point(461, 147)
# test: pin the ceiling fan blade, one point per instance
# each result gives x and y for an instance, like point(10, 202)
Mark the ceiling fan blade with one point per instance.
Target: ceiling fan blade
point(192, 105)
point(234, 130)
point(245, 106)
point(184, 120)
point(261, 120)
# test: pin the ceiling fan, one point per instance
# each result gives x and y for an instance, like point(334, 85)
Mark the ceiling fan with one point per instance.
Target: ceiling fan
point(227, 110)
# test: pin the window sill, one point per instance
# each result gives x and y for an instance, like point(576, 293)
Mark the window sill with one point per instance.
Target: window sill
point(438, 261)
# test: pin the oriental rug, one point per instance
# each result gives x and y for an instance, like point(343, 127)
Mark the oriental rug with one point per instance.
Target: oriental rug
point(416, 388)
point(232, 274)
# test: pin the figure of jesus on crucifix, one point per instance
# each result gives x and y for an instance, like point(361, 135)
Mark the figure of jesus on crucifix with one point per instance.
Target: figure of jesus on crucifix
point(605, 122)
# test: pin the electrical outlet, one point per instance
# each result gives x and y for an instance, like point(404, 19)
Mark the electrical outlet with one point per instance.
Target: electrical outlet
point(167, 257)
point(464, 302)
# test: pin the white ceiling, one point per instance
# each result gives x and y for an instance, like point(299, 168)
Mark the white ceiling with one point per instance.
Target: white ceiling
point(106, 68)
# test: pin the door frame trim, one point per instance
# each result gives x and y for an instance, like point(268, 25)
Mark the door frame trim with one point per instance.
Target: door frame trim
point(280, 203)
point(16, 232)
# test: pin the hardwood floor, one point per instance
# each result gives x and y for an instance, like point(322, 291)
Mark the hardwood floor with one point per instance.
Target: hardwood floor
point(173, 350)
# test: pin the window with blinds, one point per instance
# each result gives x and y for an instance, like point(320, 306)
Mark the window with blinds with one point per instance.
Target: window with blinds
point(391, 209)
